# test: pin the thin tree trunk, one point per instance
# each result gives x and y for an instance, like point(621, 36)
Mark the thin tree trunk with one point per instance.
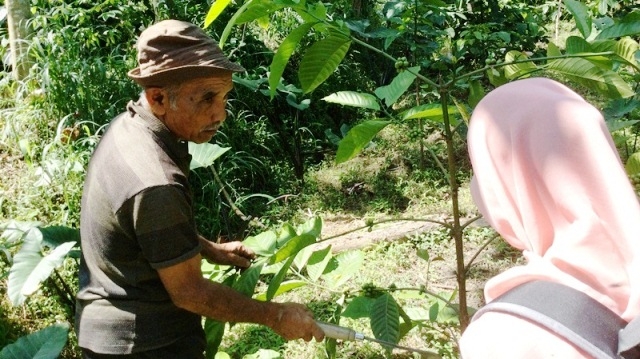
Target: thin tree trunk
point(18, 12)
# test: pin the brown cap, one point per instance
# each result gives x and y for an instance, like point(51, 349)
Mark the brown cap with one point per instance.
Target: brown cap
point(173, 51)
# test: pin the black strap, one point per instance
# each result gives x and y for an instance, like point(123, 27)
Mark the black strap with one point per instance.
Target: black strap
point(570, 314)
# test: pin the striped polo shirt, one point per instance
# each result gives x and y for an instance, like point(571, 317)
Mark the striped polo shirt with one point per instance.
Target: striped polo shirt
point(136, 217)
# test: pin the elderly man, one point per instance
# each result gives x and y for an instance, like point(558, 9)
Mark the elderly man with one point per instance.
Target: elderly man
point(142, 294)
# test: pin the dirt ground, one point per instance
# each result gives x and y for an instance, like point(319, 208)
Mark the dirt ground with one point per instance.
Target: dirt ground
point(486, 264)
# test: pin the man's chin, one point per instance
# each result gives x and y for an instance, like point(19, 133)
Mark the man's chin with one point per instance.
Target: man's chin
point(205, 136)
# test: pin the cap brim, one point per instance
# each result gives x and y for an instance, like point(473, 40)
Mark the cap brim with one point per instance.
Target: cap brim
point(181, 74)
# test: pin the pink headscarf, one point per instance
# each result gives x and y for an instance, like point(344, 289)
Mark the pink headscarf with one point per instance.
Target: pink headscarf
point(548, 178)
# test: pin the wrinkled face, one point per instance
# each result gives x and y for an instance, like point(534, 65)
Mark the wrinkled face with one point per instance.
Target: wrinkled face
point(198, 108)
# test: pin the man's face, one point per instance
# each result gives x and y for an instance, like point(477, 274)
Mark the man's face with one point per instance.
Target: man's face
point(200, 108)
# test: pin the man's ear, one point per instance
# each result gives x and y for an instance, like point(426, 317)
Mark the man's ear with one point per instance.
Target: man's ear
point(158, 100)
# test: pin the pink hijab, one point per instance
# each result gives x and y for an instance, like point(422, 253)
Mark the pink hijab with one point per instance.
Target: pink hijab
point(548, 178)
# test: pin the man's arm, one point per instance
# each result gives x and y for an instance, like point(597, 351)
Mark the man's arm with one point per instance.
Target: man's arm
point(190, 291)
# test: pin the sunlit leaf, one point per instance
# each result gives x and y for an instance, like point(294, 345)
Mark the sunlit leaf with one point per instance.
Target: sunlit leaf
point(215, 10)
point(312, 226)
point(30, 267)
point(347, 265)
point(581, 16)
point(385, 318)
point(398, 86)
point(293, 247)
point(358, 138)
point(432, 112)
point(263, 244)
point(283, 54)
point(627, 48)
point(246, 283)
point(285, 234)
point(284, 287)
point(275, 282)
point(317, 262)
point(321, 60)
point(204, 154)
point(46, 343)
point(518, 70)
point(633, 164)
point(354, 99)
point(586, 73)
point(258, 9)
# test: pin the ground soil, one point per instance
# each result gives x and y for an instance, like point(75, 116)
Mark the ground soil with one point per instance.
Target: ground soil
point(487, 264)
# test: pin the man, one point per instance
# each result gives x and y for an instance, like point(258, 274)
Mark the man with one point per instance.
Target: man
point(142, 294)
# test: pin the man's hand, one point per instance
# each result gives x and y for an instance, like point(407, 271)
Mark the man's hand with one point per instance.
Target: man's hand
point(295, 321)
point(231, 253)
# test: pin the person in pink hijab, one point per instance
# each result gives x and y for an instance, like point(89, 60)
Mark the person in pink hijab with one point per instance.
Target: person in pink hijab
point(548, 178)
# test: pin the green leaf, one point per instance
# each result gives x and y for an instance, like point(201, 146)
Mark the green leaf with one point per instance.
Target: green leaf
point(518, 70)
point(214, 331)
point(359, 307)
point(347, 265)
point(285, 234)
point(586, 73)
point(578, 45)
point(232, 22)
point(313, 13)
point(278, 278)
point(53, 236)
point(248, 280)
point(204, 154)
point(292, 247)
point(321, 60)
point(318, 262)
point(627, 49)
point(354, 99)
point(433, 312)
point(476, 93)
point(30, 268)
point(15, 231)
point(283, 54)
point(581, 16)
point(357, 138)
point(215, 10)
point(633, 164)
point(313, 226)
point(257, 9)
point(46, 343)
point(284, 287)
point(263, 244)
point(553, 50)
point(621, 29)
point(424, 254)
point(385, 318)
point(432, 112)
point(400, 84)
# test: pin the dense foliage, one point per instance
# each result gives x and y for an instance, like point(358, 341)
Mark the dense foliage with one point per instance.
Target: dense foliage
point(324, 81)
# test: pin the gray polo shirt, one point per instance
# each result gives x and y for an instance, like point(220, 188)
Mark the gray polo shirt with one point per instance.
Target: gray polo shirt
point(136, 217)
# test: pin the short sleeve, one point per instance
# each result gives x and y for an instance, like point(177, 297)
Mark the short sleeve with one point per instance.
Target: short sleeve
point(164, 226)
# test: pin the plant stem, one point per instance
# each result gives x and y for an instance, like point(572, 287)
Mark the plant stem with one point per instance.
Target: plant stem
point(456, 228)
